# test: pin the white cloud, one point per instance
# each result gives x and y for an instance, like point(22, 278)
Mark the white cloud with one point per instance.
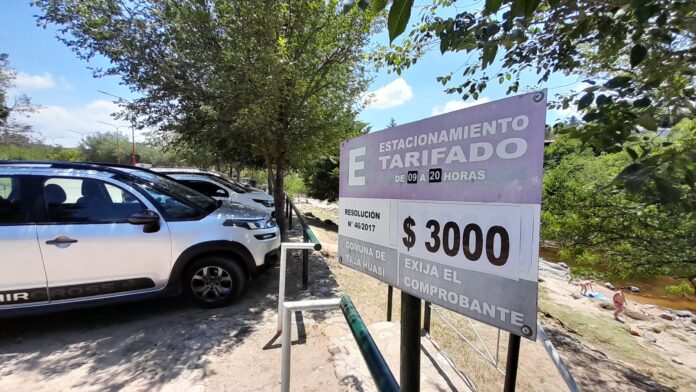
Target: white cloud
point(565, 113)
point(572, 110)
point(25, 81)
point(65, 84)
point(394, 94)
point(456, 104)
point(55, 122)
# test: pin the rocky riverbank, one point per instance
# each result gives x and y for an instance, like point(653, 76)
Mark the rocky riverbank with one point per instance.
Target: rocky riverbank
point(652, 348)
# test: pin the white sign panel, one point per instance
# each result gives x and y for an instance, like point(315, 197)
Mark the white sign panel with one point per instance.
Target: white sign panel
point(447, 209)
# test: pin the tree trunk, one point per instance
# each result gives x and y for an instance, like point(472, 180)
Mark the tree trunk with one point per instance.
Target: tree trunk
point(269, 176)
point(279, 198)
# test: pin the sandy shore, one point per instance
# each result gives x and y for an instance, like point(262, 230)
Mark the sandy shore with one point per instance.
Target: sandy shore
point(653, 345)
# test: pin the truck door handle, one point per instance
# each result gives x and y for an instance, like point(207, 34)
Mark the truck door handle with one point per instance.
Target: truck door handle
point(61, 240)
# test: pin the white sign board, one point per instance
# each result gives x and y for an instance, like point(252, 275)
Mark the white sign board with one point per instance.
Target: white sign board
point(448, 208)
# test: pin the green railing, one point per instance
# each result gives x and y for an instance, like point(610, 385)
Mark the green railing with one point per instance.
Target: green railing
point(381, 374)
point(307, 236)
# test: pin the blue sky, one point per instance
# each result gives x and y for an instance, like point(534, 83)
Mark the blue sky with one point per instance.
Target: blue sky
point(63, 86)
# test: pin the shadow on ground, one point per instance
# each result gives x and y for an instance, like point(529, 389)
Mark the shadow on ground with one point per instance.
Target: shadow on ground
point(616, 375)
point(142, 345)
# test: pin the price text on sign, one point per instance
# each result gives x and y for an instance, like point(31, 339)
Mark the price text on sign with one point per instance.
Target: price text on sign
point(476, 237)
point(471, 238)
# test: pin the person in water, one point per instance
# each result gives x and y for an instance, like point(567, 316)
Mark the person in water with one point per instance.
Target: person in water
point(619, 303)
point(585, 286)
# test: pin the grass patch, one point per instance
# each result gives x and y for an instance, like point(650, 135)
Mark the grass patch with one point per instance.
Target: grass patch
point(609, 337)
point(320, 213)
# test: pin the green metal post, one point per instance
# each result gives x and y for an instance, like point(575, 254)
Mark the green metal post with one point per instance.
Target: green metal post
point(381, 374)
point(426, 317)
point(305, 262)
point(287, 205)
point(410, 343)
point(289, 214)
point(313, 238)
point(390, 295)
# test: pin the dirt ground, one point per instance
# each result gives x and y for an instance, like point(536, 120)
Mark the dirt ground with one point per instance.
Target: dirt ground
point(168, 345)
point(600, 352)
point(606, 353)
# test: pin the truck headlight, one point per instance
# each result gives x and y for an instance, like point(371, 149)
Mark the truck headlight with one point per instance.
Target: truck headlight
point(265, 203)
point(250, 224)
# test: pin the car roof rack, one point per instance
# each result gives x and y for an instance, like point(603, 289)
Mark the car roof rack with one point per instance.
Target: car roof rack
point(105, 167)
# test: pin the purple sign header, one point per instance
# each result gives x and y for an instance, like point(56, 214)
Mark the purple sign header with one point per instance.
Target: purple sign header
point(489, 153)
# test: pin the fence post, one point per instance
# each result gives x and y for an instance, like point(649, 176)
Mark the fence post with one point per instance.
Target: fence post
point(285, 355)
point(410, 343)
point(281, 285)
point(426, 317)
point(513, 356)
point(305, 261)
point(390, 294)
point(289, 214)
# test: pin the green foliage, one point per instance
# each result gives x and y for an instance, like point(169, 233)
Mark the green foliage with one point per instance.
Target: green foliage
point(322, 179)
point(12, 131)
point(587, 273)
point(66, 155)
point(95, 148)
point(34, 152)
point(272, 84)
point(683, 288)
point(636, 58)
point(606, 229)
point(399, 14)
point(103, 147)
point(294, 185)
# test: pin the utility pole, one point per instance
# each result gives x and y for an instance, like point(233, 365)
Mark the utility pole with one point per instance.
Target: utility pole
point(120, 101)
point(118, 149)
point(133, 162)
point(82, 134)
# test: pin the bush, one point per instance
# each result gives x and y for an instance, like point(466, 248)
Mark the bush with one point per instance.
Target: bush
point(294, 185)
point(684, 288)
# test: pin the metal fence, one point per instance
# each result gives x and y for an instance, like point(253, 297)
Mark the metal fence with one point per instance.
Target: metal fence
point(307, 236)
point(376, 364)
point(482, 349)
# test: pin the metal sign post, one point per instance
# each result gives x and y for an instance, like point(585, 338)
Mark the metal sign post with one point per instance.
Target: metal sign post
point(409, 377)
point(447, 210)
point(513, 356)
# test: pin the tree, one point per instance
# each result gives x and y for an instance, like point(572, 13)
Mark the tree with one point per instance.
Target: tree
point(392, 123)
point(636, 57)
point(101, 147)
point(67, 155)
point(275, 82)
point(321, 179)
point(12, 131)
point(602, 228)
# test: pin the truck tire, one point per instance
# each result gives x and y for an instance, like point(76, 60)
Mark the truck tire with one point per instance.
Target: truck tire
point(213, 281)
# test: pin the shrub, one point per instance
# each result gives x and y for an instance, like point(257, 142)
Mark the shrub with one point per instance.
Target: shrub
point(684, 288)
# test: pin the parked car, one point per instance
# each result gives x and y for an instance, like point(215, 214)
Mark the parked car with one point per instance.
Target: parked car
point(220, 187)
point(75, 233)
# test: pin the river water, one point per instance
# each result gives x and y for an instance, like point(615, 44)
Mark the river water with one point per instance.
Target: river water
point(652, 289)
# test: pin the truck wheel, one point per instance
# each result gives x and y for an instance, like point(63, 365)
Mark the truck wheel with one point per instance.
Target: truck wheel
point(213, 281)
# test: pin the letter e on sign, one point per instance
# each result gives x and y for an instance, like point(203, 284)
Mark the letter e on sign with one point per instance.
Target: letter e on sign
point(355, 165)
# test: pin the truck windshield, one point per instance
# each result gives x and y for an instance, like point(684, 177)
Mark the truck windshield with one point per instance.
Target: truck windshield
point(234, 186)
point(167, 185)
